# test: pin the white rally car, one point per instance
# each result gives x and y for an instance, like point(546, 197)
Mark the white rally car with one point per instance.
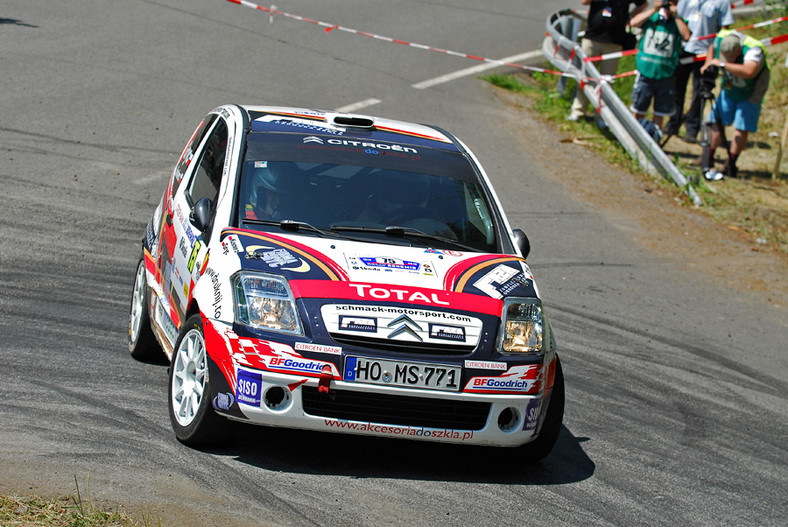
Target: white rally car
point(343, 273)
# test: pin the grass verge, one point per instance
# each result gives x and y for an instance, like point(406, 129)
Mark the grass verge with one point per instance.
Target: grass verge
point(66, 511)
point(755, 203)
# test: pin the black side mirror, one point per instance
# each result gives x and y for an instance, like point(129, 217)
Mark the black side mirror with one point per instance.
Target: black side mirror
point(201, 217)
point(522, 242)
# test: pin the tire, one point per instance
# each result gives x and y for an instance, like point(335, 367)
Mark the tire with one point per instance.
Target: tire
point(193, 419)
point(142, 343)
point(539, 448)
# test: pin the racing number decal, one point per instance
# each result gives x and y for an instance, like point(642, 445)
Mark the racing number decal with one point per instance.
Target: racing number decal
point(193, 256)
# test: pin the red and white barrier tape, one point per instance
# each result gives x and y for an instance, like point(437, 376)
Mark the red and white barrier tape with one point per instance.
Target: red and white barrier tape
point(329, 27)
point(619, 54)
point(614, 55)
point(582, 80)
point(771, 41)
point(733, 6)
point(751, 26)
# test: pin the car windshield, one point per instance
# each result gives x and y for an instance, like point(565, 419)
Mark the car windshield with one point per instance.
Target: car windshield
point(430, 198)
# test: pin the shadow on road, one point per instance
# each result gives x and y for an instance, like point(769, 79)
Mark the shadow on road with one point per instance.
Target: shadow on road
point(368, 457)
point(12, 21)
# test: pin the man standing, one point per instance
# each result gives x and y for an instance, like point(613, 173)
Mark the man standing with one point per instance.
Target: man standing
point(745, 79)
point(704, 19)
point(658, 55)
point(607, 22)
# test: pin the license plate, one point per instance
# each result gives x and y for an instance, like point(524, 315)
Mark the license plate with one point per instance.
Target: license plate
point(409, 374)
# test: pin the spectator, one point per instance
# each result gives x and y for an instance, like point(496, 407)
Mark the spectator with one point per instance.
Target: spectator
point(745, 79)
point(607, 22)
point(658, 55)
point(704, 18)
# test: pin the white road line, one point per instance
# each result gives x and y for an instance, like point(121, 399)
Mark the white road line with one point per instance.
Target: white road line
point(357, 106)
point(474, 70)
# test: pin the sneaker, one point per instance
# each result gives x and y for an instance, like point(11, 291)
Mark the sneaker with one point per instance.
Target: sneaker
point(713, 175)
point(691, 139)
point(575, 117)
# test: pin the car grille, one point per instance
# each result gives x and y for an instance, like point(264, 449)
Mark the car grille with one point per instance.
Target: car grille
point(396, 409)
point(401, 346)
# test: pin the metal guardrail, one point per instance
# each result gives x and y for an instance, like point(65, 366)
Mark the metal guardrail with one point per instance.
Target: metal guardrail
point(567, 55)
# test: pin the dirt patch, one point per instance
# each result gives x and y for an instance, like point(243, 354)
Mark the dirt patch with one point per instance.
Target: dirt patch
point(660, 214)
point(755, 202)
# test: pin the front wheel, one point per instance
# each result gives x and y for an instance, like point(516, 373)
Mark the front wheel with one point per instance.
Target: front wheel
point(548, 435)
point(142, 343)
point(193, 420)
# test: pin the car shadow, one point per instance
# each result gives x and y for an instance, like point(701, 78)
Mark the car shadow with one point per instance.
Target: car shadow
point(298, 451)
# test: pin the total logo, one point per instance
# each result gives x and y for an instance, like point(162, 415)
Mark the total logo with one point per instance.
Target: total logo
point(360, 144)
point(401, 295)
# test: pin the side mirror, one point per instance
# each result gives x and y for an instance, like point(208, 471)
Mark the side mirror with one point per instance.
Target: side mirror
point(522, 242)
point(201, 217)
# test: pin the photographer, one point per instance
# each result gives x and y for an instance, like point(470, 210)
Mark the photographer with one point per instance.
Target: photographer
point(657, 58)
point(745, 79)
point(704, 18)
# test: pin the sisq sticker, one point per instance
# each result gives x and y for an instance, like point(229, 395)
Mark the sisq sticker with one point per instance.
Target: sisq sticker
point(249, 388)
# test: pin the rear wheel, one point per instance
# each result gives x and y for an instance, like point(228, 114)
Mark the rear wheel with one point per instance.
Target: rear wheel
point(194, 421)
point(142, 343)
point(548, 435)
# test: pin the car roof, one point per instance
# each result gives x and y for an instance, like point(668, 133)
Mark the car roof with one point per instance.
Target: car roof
point(362, 127)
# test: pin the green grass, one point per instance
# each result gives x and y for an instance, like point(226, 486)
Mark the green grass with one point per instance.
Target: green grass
point(66, 511)
point(540, 89)
point(757, 204)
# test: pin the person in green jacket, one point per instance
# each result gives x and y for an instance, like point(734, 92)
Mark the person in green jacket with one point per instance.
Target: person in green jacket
point(657, 58)
point(745, 79)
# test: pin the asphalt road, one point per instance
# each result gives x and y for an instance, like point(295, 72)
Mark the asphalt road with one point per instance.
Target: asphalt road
point(676, 387)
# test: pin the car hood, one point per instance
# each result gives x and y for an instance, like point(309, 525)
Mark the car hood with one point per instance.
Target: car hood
point(351, 270)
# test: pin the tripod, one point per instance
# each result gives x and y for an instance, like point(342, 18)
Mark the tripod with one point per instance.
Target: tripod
point(702, 87)
point(706, 160)
point(707, 156)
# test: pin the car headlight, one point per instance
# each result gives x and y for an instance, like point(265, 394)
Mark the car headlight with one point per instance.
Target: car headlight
point(522, 326)
point(265, 301)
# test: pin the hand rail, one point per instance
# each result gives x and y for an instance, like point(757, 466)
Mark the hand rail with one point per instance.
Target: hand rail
point(566, 55)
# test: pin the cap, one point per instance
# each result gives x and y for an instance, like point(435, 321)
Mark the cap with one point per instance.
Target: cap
point(730, 46)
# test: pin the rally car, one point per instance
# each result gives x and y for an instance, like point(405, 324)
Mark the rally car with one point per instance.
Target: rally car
point(343, 273)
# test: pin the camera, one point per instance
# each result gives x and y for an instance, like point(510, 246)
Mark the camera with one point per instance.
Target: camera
point(664, 10)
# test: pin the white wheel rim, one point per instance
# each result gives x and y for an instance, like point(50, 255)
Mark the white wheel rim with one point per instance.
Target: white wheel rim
point(137, 304)
point(189, 377)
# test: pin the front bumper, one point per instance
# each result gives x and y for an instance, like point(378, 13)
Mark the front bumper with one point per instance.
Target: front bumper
point(321, 404)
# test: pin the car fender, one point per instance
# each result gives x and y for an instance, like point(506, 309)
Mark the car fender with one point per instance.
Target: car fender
point(212, 295)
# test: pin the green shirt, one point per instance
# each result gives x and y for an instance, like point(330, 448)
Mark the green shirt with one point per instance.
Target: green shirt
point(737, 88)
point(659, 47)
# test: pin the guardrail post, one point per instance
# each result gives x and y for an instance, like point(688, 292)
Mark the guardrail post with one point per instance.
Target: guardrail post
point(570, 26)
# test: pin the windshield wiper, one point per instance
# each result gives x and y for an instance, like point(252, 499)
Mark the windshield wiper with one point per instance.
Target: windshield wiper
point(401, 232)
point(292, 225)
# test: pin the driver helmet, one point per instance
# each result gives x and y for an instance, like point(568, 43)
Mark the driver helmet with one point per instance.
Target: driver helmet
point(270, 182)
point(280, 177)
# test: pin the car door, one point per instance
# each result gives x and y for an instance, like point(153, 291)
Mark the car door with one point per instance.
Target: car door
point(187, 247)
